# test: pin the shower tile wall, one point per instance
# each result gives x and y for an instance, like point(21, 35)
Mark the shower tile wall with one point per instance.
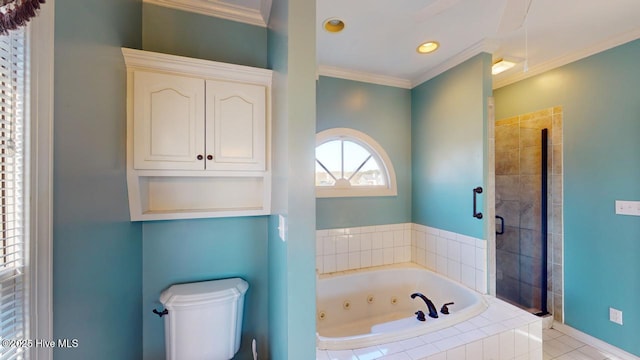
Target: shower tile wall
point(518, 199)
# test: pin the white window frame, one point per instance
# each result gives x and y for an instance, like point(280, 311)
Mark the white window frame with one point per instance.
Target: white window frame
point(40, 271)
point(360, 138)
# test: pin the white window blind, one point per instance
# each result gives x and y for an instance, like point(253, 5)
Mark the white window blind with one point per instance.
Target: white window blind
point(13, 295)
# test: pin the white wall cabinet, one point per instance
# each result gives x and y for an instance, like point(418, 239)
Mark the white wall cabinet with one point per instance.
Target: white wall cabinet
point(236, 126)
point(197, 138)
point(168, 121)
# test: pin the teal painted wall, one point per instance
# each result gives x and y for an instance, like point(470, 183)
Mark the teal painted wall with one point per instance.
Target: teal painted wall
point(278, 252)
point(195, 250)
point(189, 34)
point(97, 251)
point(448, 152)
point(292, 263)
point(599, 96)
point(384, 113)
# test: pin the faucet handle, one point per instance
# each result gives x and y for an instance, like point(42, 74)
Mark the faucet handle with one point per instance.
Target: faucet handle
point(420, 315)
point(445, 309)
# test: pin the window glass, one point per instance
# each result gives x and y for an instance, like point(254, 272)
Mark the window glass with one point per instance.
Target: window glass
point(351, 163)
point(345, 163)
point(328, 163)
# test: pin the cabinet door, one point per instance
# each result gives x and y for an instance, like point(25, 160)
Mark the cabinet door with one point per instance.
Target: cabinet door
point(168, 122)
point(236, 126)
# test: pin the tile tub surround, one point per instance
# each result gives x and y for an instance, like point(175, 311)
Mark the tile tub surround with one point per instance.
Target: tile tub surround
point(458, 257)
point(502, 332)
point(362, 247)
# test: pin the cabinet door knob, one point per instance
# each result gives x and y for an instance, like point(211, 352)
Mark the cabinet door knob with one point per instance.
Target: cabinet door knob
point(209, 157)
point(200, 157)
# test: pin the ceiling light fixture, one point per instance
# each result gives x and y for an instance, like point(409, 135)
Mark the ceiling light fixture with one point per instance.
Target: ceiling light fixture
point(427, 47)
point(501, 65)
point(333, 25)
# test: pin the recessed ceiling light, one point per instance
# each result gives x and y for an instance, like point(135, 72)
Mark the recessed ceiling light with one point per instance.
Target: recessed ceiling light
point(427, 47)
point(501, 65)
point(333, 25)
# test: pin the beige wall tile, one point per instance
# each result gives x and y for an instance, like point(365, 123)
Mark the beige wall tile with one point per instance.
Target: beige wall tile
point(542, 113)
point(508, 121)
point(508, 162)
point(556, 189)
point(530, 162)
point(507, 137)
point(556, 122)
point(507, 187)
point(537, 122)
point(557, 160)
point(530, 137)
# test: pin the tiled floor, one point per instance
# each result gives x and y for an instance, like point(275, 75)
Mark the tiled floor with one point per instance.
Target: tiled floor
point(558, 346)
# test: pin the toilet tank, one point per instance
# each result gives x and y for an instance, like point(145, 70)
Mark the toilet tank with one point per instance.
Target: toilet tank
point(204, 320)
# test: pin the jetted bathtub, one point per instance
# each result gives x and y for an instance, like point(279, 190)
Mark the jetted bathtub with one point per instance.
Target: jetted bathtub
point(373, 306)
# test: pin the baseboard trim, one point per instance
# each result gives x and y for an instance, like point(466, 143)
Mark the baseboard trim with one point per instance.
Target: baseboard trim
point(597, 343)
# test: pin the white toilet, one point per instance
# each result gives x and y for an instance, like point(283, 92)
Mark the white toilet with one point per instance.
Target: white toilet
point(204, 321)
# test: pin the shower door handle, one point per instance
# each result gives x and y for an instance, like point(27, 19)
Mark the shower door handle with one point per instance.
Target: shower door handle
point(501, 225)
point(476, 191)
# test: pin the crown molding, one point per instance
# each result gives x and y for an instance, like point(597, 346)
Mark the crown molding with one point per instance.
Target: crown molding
point(258, 15)
point(475, 49)
point(482, 46)
point(610, 43)
point(361, 76)
point(152, 61)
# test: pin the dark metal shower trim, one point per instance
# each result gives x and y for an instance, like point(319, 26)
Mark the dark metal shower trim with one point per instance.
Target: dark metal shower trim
point(476, 191)
point(544, 177)
point(501, 225)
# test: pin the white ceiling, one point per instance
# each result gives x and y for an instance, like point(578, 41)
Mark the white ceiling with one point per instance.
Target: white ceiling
point(380, 37)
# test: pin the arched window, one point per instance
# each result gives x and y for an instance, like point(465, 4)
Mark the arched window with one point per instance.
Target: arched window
point(351, 163)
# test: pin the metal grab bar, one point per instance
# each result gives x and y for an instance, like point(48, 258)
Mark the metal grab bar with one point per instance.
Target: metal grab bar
point(476, 191)
point(501, 225)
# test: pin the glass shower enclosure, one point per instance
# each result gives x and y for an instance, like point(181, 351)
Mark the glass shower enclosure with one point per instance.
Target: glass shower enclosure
point(521, 213)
